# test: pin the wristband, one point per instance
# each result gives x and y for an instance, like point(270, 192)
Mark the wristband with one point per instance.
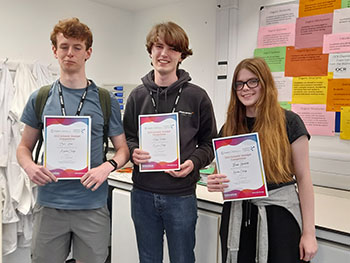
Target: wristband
point(114, 164)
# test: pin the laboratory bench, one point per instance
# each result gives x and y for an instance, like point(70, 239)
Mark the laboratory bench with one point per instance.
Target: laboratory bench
point(332, 218)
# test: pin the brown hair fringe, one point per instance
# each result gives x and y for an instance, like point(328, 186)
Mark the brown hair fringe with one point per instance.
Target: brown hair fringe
point(172, 34)
point(73, 28)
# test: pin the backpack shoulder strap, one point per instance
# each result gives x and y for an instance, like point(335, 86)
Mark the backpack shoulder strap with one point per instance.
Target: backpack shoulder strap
point(41, 101)
point(39, 108)
point(105, 102)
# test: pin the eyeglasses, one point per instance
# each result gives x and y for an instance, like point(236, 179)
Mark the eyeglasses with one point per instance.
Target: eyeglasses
point(251, 83)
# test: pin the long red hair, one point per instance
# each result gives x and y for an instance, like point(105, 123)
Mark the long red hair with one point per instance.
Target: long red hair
point(270, 122)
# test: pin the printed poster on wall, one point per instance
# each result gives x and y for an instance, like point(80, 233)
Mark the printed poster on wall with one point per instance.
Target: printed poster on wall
point(239, 158)
point(310, 90)
point(285, 105)
point(276, 36)
point(306, 62)
point(339, 64)
point(345, 3)
point(336, 43)
point(341, 20)
point(317, 120)
point(275, 57)
point(159, 136)
point(317, 7)
point(283, 85)
point(345, 123)
point(338, 94)
point(309, 30)
point(279, 14)
point(67, 142)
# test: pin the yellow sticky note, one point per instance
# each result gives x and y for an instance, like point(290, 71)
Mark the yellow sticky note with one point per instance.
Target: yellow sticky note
point(345, 123)
point(310, 90)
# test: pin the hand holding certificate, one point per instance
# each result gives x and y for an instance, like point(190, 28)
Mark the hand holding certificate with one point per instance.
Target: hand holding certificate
point(67, 145)
point(159, 136)
point(239, 158)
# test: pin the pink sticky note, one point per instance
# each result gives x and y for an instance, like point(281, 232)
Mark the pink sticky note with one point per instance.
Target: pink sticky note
point(336, 43)
point(317, 120)
point(310, 30)
point(276, 36)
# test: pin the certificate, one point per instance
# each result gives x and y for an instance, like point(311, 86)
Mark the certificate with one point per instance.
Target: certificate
point(67, 145)
point(159, 136)
point(239, 158)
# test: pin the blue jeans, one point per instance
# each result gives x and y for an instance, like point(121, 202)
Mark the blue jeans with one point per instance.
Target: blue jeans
point(154, 214)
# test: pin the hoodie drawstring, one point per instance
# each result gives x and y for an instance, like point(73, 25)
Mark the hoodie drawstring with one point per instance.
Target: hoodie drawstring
point(248, 212)
point(157, 99)
point(156, 104)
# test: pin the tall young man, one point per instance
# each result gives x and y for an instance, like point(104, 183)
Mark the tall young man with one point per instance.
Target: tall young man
point(72, 211)
point(166, 201)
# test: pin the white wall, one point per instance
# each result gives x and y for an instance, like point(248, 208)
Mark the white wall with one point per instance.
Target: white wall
point(119, 54)
point(26, 27)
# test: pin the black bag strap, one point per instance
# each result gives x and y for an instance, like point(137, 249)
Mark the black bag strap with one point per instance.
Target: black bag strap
point(39, 108)
point(105, 102)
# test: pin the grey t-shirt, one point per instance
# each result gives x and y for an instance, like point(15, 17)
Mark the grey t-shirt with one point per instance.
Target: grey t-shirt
point(71, 194)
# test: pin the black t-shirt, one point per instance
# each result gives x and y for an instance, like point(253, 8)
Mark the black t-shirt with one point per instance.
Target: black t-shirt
point(294, 125)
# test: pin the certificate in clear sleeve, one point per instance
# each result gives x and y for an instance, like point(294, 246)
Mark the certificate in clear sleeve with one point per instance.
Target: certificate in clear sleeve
point(67, 142)
point(159, 136)
point(239, 158)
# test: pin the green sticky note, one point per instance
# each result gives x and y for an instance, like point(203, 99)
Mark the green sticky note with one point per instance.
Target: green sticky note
point(345, 3)
point(275, 57)
point(285, 105)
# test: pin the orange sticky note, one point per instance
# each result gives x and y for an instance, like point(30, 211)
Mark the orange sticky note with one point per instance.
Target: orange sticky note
point(338, 94)
point(306, 62)
point(317, 7)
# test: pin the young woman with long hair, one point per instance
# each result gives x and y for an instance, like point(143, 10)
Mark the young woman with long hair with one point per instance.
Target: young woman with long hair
point(279, 228)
